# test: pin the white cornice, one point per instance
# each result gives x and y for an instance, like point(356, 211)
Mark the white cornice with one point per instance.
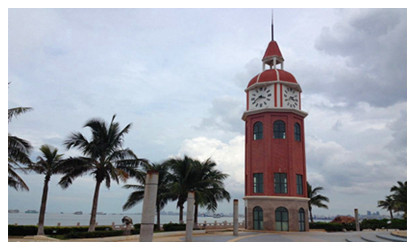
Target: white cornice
point(295, 86)
point(275, 198)
point(286, 110)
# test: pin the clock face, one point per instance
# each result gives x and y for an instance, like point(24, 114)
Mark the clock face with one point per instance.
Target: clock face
point(291, 98)
point(261, 97)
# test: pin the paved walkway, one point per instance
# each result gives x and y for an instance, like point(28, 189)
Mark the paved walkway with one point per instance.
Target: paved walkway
point(226, 236)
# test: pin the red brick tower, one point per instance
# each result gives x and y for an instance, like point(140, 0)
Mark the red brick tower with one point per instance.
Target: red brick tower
point(275, 165)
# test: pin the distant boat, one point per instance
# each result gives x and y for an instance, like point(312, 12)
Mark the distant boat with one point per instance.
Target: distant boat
point(217, 216)
point(31, 212)
point(14, 211)
point(101, 213)
point(78, 212)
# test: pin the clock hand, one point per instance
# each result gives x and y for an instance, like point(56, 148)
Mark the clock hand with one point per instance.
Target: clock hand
point(258, 98)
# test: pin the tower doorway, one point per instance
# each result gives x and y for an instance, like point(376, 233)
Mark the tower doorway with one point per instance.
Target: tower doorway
point(281, 219)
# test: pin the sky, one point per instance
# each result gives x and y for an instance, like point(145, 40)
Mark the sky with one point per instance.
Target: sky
point(179, 75)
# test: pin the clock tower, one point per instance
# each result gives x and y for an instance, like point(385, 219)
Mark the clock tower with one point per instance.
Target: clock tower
point(275, 165)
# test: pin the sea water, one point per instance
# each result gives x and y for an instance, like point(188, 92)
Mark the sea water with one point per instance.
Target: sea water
point(68, 219)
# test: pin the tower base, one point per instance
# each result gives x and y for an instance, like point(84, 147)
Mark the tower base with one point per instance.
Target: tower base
point(276, 213)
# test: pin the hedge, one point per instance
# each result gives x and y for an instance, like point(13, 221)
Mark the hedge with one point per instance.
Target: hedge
point(77, 235)
point(328, 226)
point(384, 223)
point(23, 230)
point(365, 224)
point(174, 227)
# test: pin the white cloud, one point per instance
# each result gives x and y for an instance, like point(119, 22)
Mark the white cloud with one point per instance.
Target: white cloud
point(229, 157)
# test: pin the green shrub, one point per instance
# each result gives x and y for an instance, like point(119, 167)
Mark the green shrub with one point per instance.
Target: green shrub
point(77, 235)
point(65, 230)
point(398, 224)
point(22, 230)
point(174, 227)
point(332, 227)
point(384, 223)
point(373, 224)
point(349, 226)
point(136, 229)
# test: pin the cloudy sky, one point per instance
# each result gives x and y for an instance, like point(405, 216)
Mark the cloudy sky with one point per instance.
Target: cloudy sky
point(178, 75)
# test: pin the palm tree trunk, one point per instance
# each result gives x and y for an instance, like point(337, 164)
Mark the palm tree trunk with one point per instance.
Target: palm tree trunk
point(40, 224)
point(158, 216)
point(390, 211)
point(92, 222)
point(195, 216)
point(311, 215)
point(181, 214)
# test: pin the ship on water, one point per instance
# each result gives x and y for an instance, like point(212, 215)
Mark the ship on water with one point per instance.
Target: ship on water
point(31, 212)
point(78, 213)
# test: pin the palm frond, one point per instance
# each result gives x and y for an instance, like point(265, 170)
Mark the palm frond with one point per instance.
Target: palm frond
point(13, 112)
point(133, 199)
point(74, 167)
point(15, 181)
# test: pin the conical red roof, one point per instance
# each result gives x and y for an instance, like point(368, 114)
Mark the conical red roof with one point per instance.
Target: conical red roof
point(273, 51)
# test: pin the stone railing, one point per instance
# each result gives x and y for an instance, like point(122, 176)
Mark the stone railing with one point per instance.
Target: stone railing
point(203, 225)
point(219, 225)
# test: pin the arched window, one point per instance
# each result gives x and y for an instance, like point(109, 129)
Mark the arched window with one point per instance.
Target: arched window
point(301, 220)
point(297, 132)
point(258, 130)
point(281, 219)
point(258, 218)
point(279, 130)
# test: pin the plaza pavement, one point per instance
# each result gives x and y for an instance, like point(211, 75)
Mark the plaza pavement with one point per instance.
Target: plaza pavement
point(227, 236)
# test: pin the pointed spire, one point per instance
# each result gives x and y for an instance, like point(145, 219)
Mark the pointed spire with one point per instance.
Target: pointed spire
point(272, 56)
point(272, 25)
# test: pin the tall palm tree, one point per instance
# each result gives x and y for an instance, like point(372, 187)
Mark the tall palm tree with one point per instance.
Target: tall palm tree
point(163, 189)
point(400, 197)
point(208, 185)
point(18, 153)
point(104, 157)
point(388, 204)
point(182, 180)
point(48, 165)
point(315, 199)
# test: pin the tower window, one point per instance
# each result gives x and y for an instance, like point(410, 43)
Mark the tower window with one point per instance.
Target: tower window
point(301, 219)
point(299, 184)
point(279, 130)
point(258, 183)
point(297, 132)
point(280, 183)
point(258, 130)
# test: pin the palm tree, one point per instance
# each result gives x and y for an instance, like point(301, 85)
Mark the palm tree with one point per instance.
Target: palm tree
point(163, 189)
point(182, 180)
point(18, 153)
point(48, 165)
point(104, 158)
point(388, 204)
point(400, 197)
point(208, 186)
point(315, 199)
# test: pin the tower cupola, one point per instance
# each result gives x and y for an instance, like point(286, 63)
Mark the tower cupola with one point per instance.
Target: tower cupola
point(272, 56)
